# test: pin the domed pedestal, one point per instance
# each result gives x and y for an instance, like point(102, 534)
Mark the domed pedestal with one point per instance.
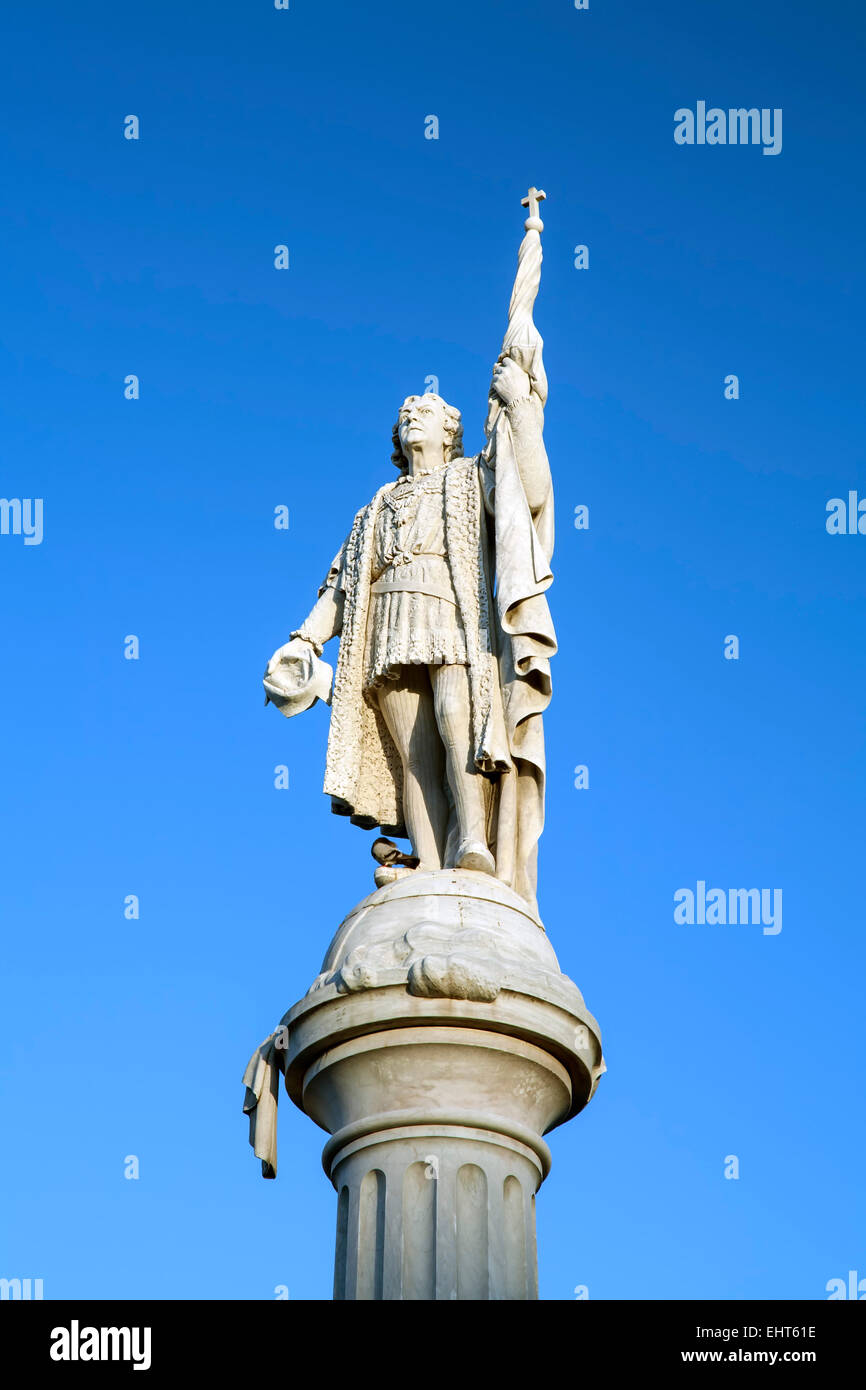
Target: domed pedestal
point(437, 1046)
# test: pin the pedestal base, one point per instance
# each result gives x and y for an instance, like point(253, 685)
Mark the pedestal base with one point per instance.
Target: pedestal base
point(437, 1046)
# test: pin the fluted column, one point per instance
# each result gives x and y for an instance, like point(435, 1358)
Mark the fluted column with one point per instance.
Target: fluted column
point(436, 1048)
point(446, 1214)
point(436, 1151)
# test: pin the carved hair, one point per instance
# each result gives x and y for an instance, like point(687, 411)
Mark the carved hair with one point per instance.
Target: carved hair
point(453, 426)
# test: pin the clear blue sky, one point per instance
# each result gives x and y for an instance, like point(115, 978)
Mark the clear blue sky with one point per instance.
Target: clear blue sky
point(259, 387)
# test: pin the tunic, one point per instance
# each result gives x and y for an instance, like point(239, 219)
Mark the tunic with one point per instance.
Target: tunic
point(413, 617)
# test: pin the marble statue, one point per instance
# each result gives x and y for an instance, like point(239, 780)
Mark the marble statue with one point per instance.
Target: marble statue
point(437, 595)
point(440, 1041)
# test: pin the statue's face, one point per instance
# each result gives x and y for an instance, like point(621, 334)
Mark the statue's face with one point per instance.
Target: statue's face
point(422, 421)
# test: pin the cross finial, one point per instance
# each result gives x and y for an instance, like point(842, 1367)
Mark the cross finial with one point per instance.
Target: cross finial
point(531, 201)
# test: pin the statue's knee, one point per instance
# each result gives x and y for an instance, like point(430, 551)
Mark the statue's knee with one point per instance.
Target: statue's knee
point(417, 766)
point(452, 700)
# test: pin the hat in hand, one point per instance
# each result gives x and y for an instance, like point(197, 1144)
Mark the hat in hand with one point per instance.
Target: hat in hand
point(298, 679)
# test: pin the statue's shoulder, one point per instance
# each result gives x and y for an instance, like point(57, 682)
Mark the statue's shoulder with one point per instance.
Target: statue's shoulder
point(467, 464)
point(472, 466)
point(474, 472)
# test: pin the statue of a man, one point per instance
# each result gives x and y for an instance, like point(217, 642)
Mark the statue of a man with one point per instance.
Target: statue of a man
point(437, 595)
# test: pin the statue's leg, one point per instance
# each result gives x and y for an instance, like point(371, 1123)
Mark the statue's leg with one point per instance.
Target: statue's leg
point(452, 704)
point(407, 708)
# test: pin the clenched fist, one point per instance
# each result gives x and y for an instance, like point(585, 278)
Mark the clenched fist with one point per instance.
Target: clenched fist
point(510, 382)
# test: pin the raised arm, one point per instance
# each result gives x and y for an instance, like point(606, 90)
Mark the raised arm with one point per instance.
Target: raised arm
point(526, 416)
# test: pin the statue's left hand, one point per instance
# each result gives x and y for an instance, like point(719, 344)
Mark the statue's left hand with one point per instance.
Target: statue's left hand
point(510, 382)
